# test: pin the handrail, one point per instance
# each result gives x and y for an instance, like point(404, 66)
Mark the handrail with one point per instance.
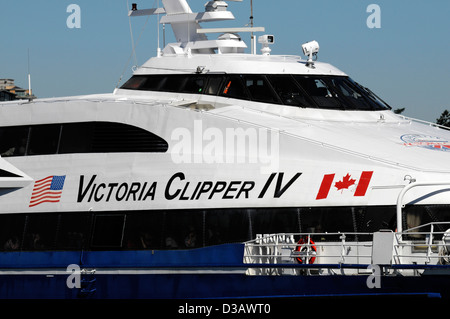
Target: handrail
point(407, 188)
point(278, 248)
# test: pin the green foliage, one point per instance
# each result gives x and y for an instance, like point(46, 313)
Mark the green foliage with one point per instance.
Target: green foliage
point(444, 120)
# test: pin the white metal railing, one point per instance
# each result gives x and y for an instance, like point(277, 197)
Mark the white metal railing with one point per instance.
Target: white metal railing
point(309, 249)
point(286, 254)
point(427, 247)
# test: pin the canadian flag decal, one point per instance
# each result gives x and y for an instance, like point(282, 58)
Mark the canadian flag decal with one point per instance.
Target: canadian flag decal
point(362, 184)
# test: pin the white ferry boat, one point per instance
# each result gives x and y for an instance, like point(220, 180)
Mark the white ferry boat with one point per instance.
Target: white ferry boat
point(215, 173)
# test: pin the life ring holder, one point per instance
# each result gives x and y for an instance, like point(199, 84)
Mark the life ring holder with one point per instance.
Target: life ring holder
point(301, 246)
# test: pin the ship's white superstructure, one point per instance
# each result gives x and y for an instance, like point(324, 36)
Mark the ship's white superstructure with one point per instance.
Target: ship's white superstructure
point(208, 137)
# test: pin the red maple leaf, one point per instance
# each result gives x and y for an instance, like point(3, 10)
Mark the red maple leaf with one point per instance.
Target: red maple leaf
point(346, 182)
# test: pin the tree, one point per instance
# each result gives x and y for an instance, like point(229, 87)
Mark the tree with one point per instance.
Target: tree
point(444, 120)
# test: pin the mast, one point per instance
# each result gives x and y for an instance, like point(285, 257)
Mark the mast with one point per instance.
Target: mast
point(253, 45)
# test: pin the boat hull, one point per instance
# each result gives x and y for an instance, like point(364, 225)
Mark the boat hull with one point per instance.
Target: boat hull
point(208, 273)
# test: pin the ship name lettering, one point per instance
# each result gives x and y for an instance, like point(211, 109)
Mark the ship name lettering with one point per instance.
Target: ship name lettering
point(206, 189)
point(135, 191)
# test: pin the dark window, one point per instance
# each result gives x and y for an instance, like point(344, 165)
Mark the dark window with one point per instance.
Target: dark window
point(136, 83)
point(260, 89)
point(319, 91)
point(76, 138)
point(73, 231)
point(108, 231)
point(194, 85)
point(12, 229)
point(328, 92)
point(174, 83)
point(352, 98)
point(289, 91)
point(144, 230)
point(44, 139)
point(117, 137)
point(227, 226)
point(233, 87)
point(13, 141)
point(90, 137)
point(268, 221)
point(214, 84)
point(40, 232)
point(190, 229)
point(379, 103)
point(183, 230)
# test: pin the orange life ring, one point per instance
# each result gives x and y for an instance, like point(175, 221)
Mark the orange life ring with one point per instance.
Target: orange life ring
point(300, 247)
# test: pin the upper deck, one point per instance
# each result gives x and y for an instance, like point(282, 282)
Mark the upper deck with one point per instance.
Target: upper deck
point(234, 64)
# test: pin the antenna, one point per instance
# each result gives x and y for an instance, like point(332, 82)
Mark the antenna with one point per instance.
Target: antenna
point(29, 76)
point(253, 38)
point(158, 50)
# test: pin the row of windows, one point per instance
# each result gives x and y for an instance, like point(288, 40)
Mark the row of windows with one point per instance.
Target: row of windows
point(86, 137)
point(161, 230)
point(328, 92)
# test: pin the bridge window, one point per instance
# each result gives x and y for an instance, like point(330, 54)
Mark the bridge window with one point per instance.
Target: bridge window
point(214, 84)
point(289, 91)
point(194, 85)
point(327, 92)
point(233, 87)
point(260, 89)
point(319, 91)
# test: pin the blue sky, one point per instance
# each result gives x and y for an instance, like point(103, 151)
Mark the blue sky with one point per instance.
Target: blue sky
point(406, 61)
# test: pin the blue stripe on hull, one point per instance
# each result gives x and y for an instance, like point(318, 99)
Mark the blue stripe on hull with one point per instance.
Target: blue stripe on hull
point(231, 254)
point(203, 281)
point(199, 286)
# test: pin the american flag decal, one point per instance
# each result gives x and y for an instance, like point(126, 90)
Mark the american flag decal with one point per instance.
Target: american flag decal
point(47, 190)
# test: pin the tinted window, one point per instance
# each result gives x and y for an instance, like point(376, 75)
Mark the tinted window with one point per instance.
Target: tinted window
point(189, 229)
point(13, 141)
point(260, 89)
point(227, 226)
point(136, 82)
point(11, 231)
point(328, 92)
point(194, 85)
point(234, 87)
point(44, 139)
point(90, 137)
point(321, 93)
point(268, 221)
point(174, 83)
point(289, 91)
point(108, 231)
point(144, 230)
point(117, 137)
point(76, 138)
point(214, 84)
point(73, 231)
point(183, 230)
point(152, 83)
point(40, 232)
point(352, 98)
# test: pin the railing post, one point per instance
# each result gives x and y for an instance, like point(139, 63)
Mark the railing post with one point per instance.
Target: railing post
point(430, 243)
